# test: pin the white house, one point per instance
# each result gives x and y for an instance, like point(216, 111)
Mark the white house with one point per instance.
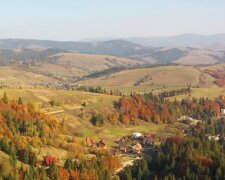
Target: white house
point(136, 135)
point(214, 138)
point(222, 111)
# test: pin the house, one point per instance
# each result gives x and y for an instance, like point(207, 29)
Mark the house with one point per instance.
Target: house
point(50, 160)
point(137, 148)
point(148, 141)
point(222, 111)
point(136, 135)
point(101, 144)
point(90, 141)
point(214, 138)
point(123, 139)
point(114, 151)
point(122, 147)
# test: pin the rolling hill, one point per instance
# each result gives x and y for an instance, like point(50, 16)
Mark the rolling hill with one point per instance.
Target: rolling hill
point(155, 78)
point(42, 50)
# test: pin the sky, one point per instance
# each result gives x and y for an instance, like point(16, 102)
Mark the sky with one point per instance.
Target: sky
point(69, 20)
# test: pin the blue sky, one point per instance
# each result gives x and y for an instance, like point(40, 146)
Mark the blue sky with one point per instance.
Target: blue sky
point(81, 19)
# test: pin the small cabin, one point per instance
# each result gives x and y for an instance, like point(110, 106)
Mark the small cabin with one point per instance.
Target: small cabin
point(136, 135)
point(148, 141)
point(137, 148)
point(122, 147)
point(101, 144)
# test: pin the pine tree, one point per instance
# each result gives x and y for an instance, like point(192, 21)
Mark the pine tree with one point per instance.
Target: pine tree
point(20, 101)
point(42, 174)
point(13, 154)
point(68, 164)
point(127, 174)
point(26, 154)
point(139, 173)
point(218, 174)
point(5, 98)
point(144, 168)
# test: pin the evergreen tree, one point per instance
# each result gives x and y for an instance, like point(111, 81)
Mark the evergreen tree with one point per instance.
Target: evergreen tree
point(218, 174)
point(20, 101)
point(5, 98)
point(127, 173)
point(139, 173)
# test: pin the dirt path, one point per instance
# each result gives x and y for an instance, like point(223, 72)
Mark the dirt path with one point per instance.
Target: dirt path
point(55, 112)
point(200, 77)
point(125, 164)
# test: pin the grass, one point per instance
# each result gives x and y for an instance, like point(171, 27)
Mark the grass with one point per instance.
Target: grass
point(88, 133)
point(63, 70)
point(210, 93)
point(13, 77)
point(165, 77)
point(91, 62)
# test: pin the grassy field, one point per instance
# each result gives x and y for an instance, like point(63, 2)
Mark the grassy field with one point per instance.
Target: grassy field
point(62, 70)
point(18, 78)
point(198, 56)
point(90, 63)
point(166, 77)
point(210, 93)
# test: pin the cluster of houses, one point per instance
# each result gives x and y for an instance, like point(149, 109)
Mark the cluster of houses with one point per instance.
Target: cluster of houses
point(134, 144)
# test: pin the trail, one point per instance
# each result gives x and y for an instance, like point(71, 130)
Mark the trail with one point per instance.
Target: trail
point(125, 164)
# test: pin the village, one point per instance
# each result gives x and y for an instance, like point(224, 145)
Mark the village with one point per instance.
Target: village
point(136, 144)
point(133, 144)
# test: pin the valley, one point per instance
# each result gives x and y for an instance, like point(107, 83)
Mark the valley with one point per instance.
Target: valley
point(79, 111)
point(112, 90)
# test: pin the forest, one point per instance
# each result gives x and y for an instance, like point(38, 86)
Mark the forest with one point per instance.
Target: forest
point(153, 108)
point(23, 129)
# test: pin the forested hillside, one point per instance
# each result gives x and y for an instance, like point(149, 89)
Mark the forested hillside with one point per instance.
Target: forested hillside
point(24, 130)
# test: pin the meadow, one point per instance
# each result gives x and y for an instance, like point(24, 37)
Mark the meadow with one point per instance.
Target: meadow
point(160, 78)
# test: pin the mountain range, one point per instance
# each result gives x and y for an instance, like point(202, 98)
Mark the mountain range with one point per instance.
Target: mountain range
point(216, 41)
point(185, 49)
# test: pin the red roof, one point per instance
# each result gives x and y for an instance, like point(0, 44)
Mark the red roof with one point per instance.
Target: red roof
point(50, 159)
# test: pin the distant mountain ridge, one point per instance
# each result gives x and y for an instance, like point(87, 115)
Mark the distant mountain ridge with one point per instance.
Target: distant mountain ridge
point(120, 48)
point(216, 41)
point(181, 49)
point(112, 47)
